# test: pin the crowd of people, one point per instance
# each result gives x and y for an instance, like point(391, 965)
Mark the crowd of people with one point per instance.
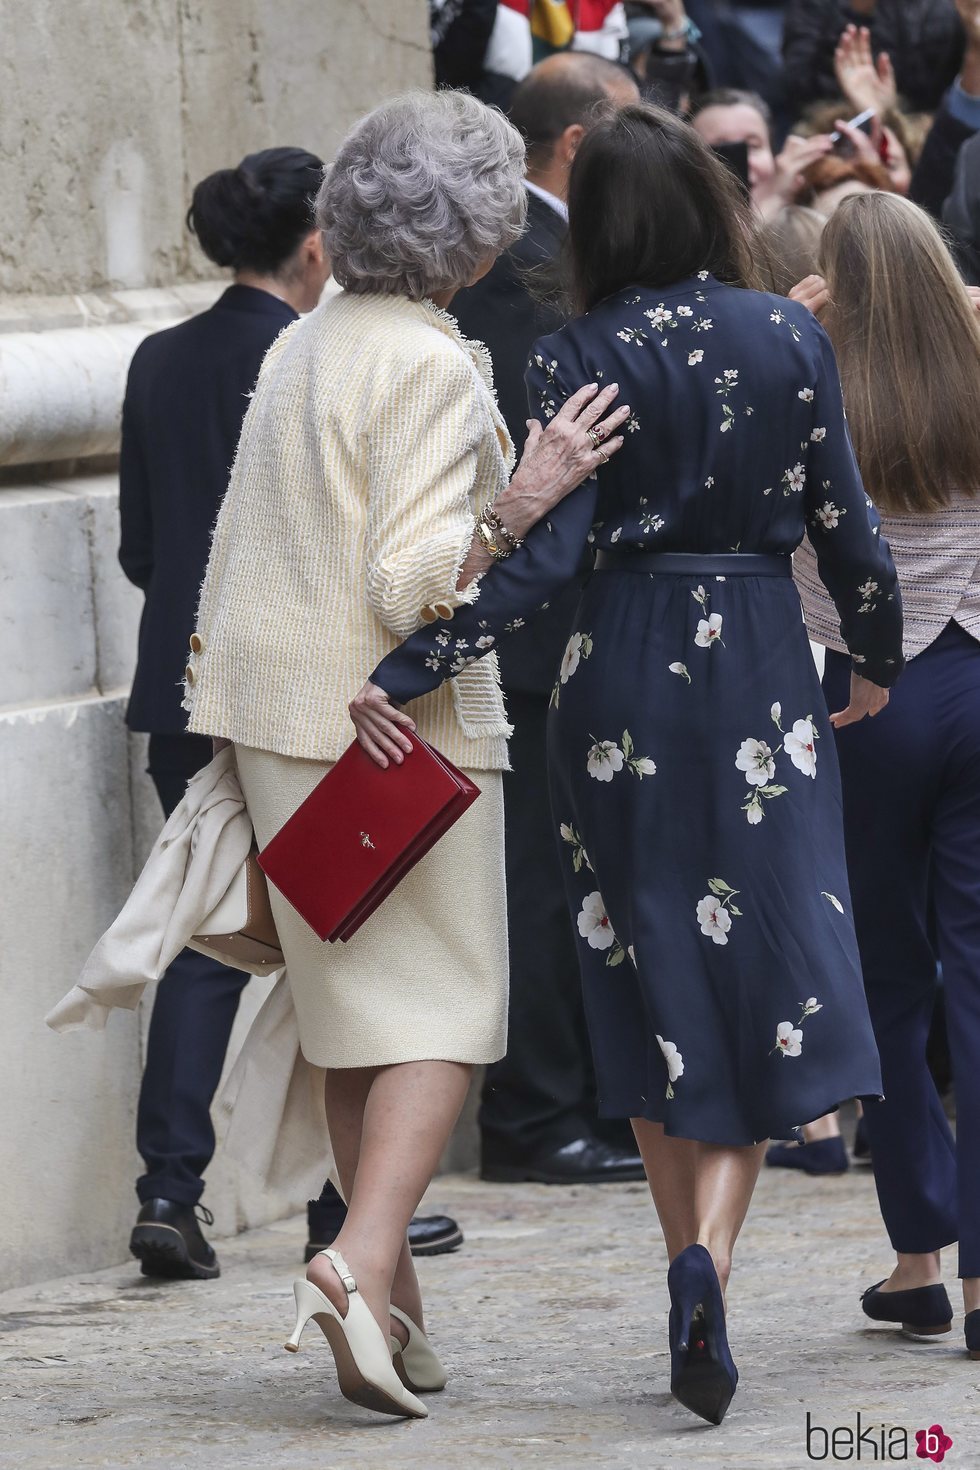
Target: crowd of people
point(700, 233)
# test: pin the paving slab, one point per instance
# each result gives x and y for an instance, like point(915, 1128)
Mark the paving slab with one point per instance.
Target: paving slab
point(552, 1321)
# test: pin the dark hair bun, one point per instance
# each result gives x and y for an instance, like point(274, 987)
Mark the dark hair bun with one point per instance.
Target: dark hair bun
point(254, 217)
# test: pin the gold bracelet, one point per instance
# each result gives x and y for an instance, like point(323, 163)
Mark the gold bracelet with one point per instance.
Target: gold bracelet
point(486, 535)
point(497, 526)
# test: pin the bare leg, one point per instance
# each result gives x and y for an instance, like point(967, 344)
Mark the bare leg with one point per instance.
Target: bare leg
point(726, 1178)
point(915, 1270)
point(826, 1127)
point(388, 1127)
point(701, 1192)
point(671, 1170)
point(971, 1293)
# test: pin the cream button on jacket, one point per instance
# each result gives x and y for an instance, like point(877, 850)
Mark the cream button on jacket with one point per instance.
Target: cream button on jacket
point(372, 440)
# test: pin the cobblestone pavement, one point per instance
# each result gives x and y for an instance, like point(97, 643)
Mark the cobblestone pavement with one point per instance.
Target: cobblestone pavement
point(552, 1321)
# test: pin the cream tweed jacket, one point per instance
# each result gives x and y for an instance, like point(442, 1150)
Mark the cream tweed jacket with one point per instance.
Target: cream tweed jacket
point(372, 440)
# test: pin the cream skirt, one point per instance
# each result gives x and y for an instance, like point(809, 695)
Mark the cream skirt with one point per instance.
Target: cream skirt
point(426, 976)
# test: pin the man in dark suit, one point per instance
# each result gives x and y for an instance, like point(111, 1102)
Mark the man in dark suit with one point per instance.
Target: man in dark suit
point(538, 1116)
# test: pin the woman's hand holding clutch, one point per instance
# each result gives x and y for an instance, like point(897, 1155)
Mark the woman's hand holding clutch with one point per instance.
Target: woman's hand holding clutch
point(381, 727)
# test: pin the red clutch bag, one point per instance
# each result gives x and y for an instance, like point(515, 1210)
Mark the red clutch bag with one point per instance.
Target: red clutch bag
point(360, 831)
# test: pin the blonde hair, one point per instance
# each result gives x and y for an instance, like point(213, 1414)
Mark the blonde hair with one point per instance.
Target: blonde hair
point(789, 244)
point(907, 340)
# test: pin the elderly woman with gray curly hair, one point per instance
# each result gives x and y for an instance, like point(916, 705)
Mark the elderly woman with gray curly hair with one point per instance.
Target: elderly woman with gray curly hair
point(355, 512)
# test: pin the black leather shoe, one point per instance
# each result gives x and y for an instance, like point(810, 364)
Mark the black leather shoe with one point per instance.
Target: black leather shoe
point(924, 1311)
point(167, 1241)
point(823, 1156)
point(583, 1161)
point(428, 1235)
point(971, 1326)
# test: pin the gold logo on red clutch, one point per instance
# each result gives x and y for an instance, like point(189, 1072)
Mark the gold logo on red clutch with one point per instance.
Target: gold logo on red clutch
point(366, 840)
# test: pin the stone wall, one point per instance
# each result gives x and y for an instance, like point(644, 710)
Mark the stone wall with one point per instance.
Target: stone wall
point(111, 110)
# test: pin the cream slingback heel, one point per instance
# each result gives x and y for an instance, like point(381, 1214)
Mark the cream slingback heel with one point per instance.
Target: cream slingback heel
point(365, 1370)
point(416, 1364)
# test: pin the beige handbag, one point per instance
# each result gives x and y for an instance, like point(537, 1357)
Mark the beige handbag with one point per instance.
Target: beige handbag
point(240, 930)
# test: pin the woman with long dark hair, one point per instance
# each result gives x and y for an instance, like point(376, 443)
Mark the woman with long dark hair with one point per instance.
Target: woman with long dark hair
point(908, 343)
point(694, 781)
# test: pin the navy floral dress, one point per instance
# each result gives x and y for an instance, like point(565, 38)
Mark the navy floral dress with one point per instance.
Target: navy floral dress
point(694, 779)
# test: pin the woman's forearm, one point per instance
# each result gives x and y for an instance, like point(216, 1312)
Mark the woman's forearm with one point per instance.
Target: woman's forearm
point(519, 507)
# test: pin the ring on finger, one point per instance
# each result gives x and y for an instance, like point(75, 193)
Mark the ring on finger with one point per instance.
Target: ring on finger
point(604, 457)
point(596, 434)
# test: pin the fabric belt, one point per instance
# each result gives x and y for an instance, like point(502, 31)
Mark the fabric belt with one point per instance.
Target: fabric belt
point(693, 564)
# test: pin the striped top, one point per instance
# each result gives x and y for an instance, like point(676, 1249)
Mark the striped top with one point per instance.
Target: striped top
point(372, 439)
point(937, 557)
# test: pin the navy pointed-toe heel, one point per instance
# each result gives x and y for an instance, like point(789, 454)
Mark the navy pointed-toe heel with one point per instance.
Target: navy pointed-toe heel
point(925, 1311)
point(971, 1326)
point(703, 1376)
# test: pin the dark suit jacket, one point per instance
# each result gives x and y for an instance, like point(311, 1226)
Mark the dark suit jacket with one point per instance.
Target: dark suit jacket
point(500, 311)
point(186, 396)
point(924, 39)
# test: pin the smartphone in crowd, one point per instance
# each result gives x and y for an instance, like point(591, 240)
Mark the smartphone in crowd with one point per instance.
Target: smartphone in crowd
point(736, 157)
point(864, 122)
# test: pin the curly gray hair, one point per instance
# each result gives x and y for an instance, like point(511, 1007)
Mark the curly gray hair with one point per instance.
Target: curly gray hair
point(421, 192)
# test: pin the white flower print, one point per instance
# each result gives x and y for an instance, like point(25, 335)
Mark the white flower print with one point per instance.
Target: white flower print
point(433, 663)
point(513, 626)
point(870, 593)
point(832, 899)
point(754, 811)
point(799, 744)
point(794, 479)
point(716, 910)
point(709, 482)
point(777, 317)
point(604, 759)
point(776, 714)
point(810, 1007)
point(817, 436)
point(675, 1063)
point(703, 275)
point(571, 657)
point(580, 857)
point(633, 334)
point(684, 311)
point(829, 515)
point(442, 638)
point(649, 521)
point(579, 646)
point(709, 631)
point(593, 923)
point(679, 669)
point(756, 760)
point(632, 424)
point(693, 358)
point(487, 641)
point(714, 919)
point(806, 394)
point(703, 324)
point(789, 1040)
point(660, 317)
point(615, 535)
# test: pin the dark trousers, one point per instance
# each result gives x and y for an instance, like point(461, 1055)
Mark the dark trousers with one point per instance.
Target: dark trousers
point(193, 1013)
point(911, 783)
point(542, 1092)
